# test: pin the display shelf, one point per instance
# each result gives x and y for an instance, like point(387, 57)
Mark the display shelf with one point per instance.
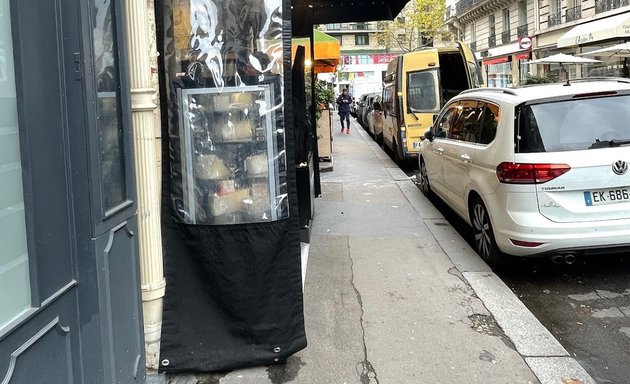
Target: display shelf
point(229, 155)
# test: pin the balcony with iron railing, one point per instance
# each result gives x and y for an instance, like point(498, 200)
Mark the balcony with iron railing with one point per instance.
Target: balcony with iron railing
point(353, 27)
point(468, 10)
point(492, 40)
point(572, 14)
point(464, 5)
point(609, 5)
point(506, 36)
point(554, 19)
point(521, 30)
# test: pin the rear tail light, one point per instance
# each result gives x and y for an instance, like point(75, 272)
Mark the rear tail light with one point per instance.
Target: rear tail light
point(521, 173)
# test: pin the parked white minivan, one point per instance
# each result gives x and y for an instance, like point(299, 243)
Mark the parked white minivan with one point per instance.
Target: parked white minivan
point(535, 171)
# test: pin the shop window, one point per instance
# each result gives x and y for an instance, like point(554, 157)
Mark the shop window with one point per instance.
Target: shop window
point(500, 75)
point(15, 288)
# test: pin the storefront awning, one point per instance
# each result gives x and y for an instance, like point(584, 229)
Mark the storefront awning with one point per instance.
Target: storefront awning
point(327, 51)
point(617, 26)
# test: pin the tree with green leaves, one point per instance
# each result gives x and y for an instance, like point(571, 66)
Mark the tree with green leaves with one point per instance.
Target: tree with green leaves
point(419, 23)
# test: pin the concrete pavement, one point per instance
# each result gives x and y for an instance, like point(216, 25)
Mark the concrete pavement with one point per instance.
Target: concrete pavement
point(393, 294)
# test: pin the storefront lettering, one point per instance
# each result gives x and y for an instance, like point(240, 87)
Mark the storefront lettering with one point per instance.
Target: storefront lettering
point(368, 59)
point(584, 39)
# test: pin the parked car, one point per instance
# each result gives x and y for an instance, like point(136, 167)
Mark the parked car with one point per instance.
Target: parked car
point(535, 171)
point(365, 109)
point(375, 119)
point(361, 104)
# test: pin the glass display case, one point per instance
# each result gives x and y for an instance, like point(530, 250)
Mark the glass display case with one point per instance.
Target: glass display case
point(232, 163)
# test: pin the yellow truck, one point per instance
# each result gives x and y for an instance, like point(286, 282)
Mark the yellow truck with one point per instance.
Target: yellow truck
point(416, 86)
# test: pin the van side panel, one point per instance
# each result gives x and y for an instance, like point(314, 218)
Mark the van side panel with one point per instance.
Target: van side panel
point(389, 105)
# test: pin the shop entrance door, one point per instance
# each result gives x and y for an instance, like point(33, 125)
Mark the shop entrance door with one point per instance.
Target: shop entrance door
point(69, 291)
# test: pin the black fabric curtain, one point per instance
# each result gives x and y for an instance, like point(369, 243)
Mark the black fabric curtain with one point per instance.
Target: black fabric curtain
point(233, 292)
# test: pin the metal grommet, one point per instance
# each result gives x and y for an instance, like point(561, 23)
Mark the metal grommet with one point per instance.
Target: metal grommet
point(165, 362)
point(277, 349)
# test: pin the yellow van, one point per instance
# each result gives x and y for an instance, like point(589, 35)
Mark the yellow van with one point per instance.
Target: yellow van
point(416, 86)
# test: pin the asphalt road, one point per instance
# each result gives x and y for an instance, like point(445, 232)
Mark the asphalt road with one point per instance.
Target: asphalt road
point(586, 305)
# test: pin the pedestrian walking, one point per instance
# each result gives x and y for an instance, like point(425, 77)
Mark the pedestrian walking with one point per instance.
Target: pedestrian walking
point(343, 101)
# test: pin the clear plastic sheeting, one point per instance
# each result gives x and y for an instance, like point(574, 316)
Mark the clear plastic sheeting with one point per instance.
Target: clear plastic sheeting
point(226, 117)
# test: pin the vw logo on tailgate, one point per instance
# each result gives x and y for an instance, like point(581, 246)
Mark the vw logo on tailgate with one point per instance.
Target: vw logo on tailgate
point(620, 167)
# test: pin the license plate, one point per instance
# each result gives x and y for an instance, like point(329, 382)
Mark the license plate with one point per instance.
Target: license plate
point(607, 196)
point(416, 144)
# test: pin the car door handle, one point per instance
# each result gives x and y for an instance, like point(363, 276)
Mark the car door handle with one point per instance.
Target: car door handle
point(439, 150)
point(465, 157)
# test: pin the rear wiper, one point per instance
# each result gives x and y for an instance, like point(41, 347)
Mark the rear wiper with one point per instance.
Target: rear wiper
point(608, 143)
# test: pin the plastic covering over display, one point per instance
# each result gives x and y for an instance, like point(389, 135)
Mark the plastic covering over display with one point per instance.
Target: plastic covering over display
point(226, 108)
point(230, 225)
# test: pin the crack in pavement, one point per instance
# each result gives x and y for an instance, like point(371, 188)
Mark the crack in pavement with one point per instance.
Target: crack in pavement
point(367, 374)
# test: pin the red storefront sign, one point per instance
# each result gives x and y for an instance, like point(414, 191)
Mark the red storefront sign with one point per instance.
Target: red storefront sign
point(368, 59)
point(383, 58)
point(497, 60)
point(523, 56)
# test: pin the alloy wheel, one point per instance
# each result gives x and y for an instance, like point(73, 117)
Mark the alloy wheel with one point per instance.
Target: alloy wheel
point(482, 231)
point(424, 179)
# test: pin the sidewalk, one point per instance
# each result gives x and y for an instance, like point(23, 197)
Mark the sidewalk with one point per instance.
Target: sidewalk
point(393, 294)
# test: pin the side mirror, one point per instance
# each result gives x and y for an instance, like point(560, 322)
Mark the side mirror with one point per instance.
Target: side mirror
point(429, 135)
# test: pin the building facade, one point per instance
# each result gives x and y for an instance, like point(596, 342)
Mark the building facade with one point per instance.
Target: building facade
point(505, 34)
point(366, 49)
point(363, 52)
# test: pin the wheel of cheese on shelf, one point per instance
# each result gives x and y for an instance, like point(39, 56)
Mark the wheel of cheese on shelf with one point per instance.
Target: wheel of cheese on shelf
point(258, 202)
point(241, 98)
point(221, 102)
point(238, 130)
point(256, 165)
point(211, 167)
point(230, 203)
